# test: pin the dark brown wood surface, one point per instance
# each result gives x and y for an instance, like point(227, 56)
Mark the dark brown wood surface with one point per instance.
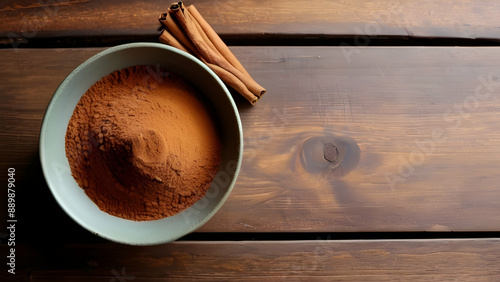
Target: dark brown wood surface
point(350, 142)
point(29, 20)
point(316, 260)
point(425, 121)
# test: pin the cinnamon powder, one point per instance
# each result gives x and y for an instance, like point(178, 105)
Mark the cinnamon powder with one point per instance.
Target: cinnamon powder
point(143, 144)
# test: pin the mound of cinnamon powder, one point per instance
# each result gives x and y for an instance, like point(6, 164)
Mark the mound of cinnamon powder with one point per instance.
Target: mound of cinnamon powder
point(143, 144)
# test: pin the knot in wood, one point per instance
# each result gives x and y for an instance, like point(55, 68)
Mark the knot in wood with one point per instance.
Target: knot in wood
point(330, 152)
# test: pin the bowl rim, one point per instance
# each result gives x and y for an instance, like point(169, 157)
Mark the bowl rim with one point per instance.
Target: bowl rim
point(59, 92)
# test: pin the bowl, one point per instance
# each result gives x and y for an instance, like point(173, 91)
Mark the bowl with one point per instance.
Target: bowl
point(73, 199)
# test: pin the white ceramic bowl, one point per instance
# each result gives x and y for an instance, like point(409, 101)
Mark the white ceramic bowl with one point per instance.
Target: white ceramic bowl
point(72, 198)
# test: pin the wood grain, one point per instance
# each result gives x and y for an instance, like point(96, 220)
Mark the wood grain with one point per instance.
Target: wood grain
point(319, 260)
point(429, 143)
point(392, 103)
point(22, 21)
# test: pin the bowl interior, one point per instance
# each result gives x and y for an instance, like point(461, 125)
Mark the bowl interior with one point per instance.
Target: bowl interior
point(56, 167)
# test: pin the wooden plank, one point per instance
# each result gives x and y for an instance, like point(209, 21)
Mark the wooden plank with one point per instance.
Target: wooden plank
point(420, 260)
point(27, 20)
point(428, 142)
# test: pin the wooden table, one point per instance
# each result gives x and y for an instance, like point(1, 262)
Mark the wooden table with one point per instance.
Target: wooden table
point(420, 200)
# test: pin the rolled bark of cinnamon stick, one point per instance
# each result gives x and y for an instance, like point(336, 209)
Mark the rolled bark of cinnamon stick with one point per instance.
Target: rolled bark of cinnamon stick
point(190, 32)
point(215, 38)
point(185, 21)
point(226, 76)
point(234, 82)
point(202, 33)
point(169, 39)
point(169, 24)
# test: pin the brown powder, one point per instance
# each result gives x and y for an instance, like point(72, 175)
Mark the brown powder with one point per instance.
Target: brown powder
point(143, 144)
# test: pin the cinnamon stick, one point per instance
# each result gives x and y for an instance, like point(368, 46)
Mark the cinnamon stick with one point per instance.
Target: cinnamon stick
point(187, 30)
point(203, 34)
point(216, 40)
point(234, 82)
point(168, 23)
point(208, 54)
point(169, 39)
